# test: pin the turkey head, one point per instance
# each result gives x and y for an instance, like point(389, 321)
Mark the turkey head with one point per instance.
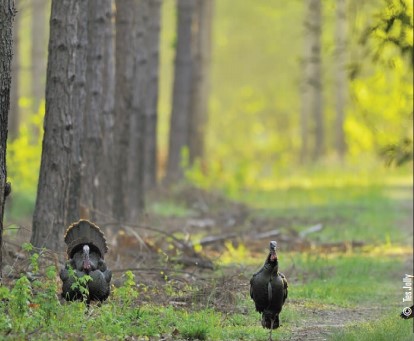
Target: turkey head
point(86, 247)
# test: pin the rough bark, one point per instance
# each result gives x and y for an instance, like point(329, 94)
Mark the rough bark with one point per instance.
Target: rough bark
point(181, 102)
point(57, 202)
point(124, 66)
point(152, 42)
point(135, 191)
point(14, 114)
point(201, 83)
point(7, 12)
point(39, 48)
point(92, 147)
point(341, 77)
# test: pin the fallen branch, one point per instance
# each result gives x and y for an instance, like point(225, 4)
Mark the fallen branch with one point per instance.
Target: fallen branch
point(311, 229)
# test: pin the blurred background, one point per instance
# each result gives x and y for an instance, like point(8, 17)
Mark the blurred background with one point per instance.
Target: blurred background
point(267, 125)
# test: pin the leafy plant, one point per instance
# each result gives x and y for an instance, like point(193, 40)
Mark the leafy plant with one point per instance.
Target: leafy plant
point(80, 284)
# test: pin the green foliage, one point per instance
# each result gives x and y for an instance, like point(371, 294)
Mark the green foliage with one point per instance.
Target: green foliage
point(127, 293)
point(80, 284)
point(23, 164)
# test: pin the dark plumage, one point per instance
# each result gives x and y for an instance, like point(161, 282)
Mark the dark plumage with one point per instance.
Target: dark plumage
point(269, 290)
point(86, 249)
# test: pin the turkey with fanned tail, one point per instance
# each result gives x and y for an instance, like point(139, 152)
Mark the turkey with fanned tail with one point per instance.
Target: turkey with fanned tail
point(86, 246)
point(269, 290)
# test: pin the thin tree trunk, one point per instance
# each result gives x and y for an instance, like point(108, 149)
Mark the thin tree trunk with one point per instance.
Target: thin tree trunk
point(7, 12)
point(315, 77)
point(201, 81)
point(179, 121)
point(14, 116)
point(57, 202)
point(124, 66)
point(305, 94)
point(39, 49)
point(341, 78)
point(153, 42)
point(135, 191)
point(105, 188)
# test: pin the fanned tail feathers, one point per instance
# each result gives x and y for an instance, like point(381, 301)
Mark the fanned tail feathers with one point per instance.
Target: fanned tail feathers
point(85, 232)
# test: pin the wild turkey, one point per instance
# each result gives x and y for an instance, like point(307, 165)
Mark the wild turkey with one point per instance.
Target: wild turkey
point(269, 290)
point(407, 313)
point(86, 246)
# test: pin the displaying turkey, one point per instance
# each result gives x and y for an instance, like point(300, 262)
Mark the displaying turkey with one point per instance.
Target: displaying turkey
point(269, 290)
point(86, 246)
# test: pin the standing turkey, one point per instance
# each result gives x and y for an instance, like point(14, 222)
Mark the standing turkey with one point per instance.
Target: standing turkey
point(269, 290)
point(86, 246)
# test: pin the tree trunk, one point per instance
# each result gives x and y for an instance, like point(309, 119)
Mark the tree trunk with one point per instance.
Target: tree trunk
point(7, 12)
point(153, 42)
point(201, 82)
point(39, 48)
point(57, 202)
point(92, 146)
point(341, 78)
point(124, 65)
point(181, 102)
point(135, 191)
point(314, 78)
point(14, 116)
point(105, 188)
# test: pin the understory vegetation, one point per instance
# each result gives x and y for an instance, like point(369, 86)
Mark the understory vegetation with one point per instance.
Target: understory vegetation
point(345, 278)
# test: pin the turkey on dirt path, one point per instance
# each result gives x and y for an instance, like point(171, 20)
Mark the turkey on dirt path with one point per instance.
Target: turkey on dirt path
point(269, 290)
point(86, 246)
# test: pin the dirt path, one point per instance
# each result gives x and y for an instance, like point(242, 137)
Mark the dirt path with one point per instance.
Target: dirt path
point(321, 323)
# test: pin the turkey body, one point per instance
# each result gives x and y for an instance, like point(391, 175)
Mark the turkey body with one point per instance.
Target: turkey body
point(269, 290)
point(86, 246)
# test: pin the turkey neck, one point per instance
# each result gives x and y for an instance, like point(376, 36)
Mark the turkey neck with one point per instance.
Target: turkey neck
point(271, 267)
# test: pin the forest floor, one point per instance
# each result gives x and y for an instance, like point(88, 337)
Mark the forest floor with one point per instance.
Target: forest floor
point(195, 250)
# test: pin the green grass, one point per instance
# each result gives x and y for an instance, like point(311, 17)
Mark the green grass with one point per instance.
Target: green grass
point(344, 280)
point(386, 328)
point(169, 209)
point(366, 212)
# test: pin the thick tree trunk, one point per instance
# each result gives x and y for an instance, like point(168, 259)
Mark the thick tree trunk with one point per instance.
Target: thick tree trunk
point(105, 188)
point(92, 146)
point(78, 104)
point(14, 116)
point(181, 102)
point(153, 42)
point(341, 78)
point(57, 202)
point(7, 13)
point(39, 48)
point(135, 191)
point(201, 82)
point(124, 66)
